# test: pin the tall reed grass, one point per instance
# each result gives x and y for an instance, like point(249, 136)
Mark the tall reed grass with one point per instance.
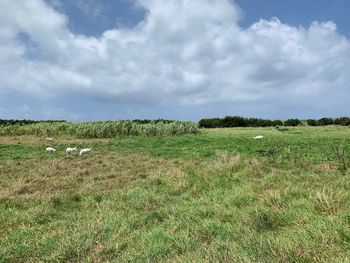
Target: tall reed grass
point(105, 129)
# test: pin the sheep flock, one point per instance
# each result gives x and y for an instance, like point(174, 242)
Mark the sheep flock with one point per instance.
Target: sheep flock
point(69, 150)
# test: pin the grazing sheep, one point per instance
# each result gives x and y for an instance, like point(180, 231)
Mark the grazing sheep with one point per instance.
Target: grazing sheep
point(50, 149)
point(84, 151)
point(259, 137)
point(49, 139)
point(70, 150)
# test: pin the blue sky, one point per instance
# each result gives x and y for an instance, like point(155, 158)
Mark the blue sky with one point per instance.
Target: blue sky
point(294, 12)
point(298, 12)
point(115, 59)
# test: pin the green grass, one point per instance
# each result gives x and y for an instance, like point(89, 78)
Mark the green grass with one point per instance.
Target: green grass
point(219, 196)
point(314, 143)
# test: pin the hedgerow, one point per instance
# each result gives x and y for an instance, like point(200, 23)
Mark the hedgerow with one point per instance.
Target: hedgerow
point(237, 121)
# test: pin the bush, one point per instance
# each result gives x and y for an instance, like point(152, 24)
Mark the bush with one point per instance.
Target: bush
point(325, 121)
point(237, 121)
point(276, 123)
point(211, 123)
point(311, 122)
point(233, 121)
point(292, 122)
point(281, 128)
point(344, 121)
point(254, 122)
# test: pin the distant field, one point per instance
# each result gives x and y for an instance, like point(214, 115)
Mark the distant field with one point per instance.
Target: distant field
point(215, 196)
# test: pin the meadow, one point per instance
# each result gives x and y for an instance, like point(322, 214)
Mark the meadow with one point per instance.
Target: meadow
point(213, 195)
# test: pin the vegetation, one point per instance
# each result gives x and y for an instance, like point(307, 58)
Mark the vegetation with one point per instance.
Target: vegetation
point(237, 121)
point(311, 122)
point(217, 196)
point(344, 121)
point(145, 121)
point(211, 123)
point(147, 126)
point(292, 122)
point(106, 129)
point(325, 121)
point(25, 122)
point(254, 122)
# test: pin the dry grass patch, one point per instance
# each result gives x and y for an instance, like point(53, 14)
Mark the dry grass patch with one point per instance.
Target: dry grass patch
point(96, 172)
point(223, 161)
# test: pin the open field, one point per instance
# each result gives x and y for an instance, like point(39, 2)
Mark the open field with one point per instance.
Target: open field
point(216, 196)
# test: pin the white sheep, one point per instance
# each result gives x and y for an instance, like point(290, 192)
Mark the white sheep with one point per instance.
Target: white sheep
point(70, 150)
point(49, 139)
point(50, 149)
point(84, 151)
point(259, 137)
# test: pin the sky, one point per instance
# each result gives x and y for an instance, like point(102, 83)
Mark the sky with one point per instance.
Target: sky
point(84, 60)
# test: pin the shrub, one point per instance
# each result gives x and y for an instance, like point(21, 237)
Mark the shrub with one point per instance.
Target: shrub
point(236, 121)
point(276, 123)
point(344, 121)
point(281, 128)
point(233, 121)
point(254, 122)
point(292, 122)
point(211, 123)
point(325, 121)
point(311, 122)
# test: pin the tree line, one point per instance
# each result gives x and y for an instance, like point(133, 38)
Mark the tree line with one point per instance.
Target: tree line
point(238, 121)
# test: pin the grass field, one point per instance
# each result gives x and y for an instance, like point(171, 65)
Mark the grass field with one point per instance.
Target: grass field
point(216, 196)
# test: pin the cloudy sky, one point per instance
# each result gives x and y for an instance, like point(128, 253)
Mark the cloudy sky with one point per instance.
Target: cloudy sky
point(180, 59)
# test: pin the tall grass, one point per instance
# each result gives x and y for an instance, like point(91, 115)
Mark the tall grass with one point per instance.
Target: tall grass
point(106, 129)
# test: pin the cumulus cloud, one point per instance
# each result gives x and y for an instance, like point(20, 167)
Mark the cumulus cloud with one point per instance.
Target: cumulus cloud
point(184, 52)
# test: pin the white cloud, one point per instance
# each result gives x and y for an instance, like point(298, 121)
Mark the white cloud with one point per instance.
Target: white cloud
point(184, 52)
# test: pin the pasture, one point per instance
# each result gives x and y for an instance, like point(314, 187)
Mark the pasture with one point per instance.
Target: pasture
point(214, 196)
